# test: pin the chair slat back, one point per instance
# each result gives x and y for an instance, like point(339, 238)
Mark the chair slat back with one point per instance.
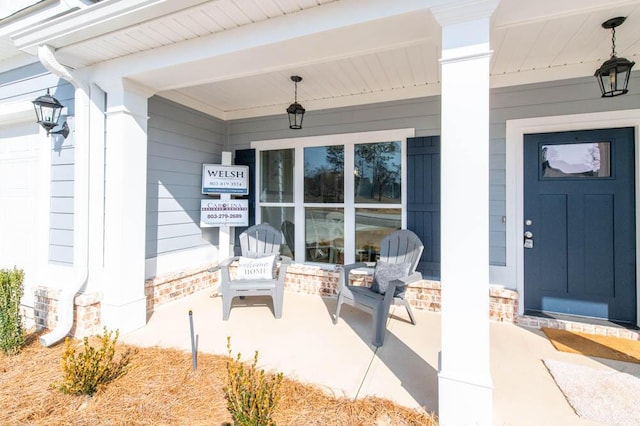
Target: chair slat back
point(402, 246)
point(258, 240)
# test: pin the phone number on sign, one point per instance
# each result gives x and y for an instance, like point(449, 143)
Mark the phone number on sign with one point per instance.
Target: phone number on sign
point(224, 216)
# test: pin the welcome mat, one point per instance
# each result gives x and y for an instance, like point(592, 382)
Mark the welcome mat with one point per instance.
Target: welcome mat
point(595, 345)
point(605, 396)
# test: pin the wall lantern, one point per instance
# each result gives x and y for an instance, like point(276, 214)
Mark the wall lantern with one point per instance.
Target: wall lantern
point(295, 110)
point(48, 111)
point(613, 74)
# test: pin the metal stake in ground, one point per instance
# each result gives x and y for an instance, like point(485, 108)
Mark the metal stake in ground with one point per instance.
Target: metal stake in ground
point(194, 359)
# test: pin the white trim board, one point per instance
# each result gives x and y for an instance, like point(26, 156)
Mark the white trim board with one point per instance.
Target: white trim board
point(180, 261)
point(516, 129)
point(17, 112)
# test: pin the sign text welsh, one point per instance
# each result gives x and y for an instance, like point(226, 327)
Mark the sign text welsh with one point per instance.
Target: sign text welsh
point(219, 179)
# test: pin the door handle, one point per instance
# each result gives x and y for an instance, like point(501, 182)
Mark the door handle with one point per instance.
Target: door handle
point(528, 239)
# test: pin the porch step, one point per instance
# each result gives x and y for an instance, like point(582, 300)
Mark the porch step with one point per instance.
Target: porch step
point(582, 325)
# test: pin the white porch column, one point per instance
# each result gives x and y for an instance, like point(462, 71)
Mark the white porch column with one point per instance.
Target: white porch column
point(124, 302)
point(96, 189)
point(464, 378)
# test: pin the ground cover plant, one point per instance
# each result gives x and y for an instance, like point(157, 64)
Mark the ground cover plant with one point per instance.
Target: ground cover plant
point(252, 395)
point(160, 388)
point(12, 333)
point(95, 366)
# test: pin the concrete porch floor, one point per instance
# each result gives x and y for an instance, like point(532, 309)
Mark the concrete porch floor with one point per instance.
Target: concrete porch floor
point(305, 345)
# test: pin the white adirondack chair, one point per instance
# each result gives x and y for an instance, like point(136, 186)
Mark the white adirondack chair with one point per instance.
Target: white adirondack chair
point(259, 241)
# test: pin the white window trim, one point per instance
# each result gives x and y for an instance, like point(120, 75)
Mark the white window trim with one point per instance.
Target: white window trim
point(346, 139)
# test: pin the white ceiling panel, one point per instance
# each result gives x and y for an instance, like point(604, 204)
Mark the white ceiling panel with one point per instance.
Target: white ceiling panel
point(204, 24)
point(254, 12)
point(269, 7)
point(366, 66)
point(395, 55)
point(237, 16)
point(550, 43)
point(288, 6)
point(220, 17)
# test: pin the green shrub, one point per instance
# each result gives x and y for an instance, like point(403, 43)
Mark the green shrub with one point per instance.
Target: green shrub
point(85, 372)
point(12, 333)
point(251, 394)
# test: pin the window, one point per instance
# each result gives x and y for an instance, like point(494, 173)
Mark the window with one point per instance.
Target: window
point(276, 178)
point(377, 172)
point(334, 197)
point(324, 174)
point(576, 160)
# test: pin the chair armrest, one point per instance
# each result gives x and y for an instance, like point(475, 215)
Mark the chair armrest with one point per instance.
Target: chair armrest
point(225, 277)
point(404, 281)
point(285, 261)
point(416, 276)
point(225, 263)
point(345, 270)
point(348, 268)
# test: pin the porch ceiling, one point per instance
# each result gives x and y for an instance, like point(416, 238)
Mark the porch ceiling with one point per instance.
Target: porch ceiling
point(233, 58)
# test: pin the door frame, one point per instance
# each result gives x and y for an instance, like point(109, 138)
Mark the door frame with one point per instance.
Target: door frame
point(515, 131)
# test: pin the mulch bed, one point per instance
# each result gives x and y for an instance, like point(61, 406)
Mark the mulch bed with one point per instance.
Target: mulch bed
point(160, 388)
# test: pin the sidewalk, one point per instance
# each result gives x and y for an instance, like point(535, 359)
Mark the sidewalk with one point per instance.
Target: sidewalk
point(307, 346)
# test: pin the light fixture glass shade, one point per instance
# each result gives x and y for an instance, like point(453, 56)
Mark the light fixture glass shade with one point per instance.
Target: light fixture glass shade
point(48, 111)
point(613, 76)
point(296, 114)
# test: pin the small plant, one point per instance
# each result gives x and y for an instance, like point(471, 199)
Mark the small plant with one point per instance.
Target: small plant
point(85, 372)
point(251, 394)
point(12, 335)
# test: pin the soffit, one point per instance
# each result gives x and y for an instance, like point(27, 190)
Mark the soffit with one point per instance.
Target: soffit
point(378, 60)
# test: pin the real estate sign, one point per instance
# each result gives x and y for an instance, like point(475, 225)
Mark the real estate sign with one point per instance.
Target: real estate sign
point(224, 213)
point(219, 179)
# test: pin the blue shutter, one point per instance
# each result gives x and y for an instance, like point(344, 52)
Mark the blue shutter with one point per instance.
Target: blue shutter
point(423, 200)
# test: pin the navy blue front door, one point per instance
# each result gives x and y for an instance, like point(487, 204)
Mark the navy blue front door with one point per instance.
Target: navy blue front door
point(579, 223)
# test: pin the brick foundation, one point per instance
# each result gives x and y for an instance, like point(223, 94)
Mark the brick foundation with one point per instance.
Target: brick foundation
point(503, 304)
point(170, 287)
point(44, 314)
point(580, 327)
point(311, 280)
point(424, 294)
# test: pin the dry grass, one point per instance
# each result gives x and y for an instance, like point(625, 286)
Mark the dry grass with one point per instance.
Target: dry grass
point(161, 389)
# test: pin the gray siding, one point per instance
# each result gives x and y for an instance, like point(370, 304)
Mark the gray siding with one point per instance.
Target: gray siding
point(575, 96)
point(62, 183)
point(61, 207)
point(535, 100)
point(27, 83)
point(180, 139)
point(421, 114)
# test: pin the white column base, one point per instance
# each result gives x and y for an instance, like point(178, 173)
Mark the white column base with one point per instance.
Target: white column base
point(464, 402)
point(126, 317)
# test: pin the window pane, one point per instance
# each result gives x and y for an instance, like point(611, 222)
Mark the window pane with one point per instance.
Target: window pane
point(276, 180)
point(324, 235)
point(281, 218)
point(377, 173)
point(576, 160)
point(372, 225)
point(324, 174)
